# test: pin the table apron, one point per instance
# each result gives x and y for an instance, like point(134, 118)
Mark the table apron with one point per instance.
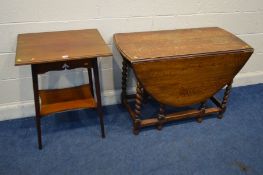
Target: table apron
point(63, 65)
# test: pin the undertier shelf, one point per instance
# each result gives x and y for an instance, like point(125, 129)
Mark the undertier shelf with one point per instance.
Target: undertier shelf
point(59, 100)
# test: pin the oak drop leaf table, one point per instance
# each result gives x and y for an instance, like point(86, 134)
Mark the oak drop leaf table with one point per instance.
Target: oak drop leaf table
point(180, 68)
point(49, 51)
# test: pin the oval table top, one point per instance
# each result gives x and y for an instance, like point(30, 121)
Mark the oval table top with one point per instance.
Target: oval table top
point(151, 45)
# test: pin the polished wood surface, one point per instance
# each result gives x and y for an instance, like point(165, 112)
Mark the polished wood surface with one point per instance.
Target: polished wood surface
point(180, 68)
point(63, 50)
point(58, 100)
point(35, 48)
point(184, 67)
point(186, 81)
point(155, 45)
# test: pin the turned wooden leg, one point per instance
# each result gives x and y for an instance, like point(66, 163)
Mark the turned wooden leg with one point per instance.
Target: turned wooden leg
point(124, 80)
point(161, 117)
point(224, 101)
point(138, 104)
point(202, 112)
point(37, 105)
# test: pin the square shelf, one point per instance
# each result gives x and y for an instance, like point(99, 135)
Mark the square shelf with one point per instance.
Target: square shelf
point(59, 100)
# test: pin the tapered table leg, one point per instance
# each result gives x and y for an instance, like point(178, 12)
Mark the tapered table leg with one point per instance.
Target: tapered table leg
point(37, 105)
point(97, 87)
point(90, 81)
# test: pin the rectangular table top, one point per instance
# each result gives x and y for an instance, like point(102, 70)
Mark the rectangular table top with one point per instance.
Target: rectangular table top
point(152, 45)
point(37, 48)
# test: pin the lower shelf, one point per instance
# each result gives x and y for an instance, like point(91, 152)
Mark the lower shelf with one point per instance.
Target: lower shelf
point(58, 100)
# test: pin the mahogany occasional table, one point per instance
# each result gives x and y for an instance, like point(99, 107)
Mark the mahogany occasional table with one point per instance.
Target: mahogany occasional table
point(62, 50)
point(180, 68)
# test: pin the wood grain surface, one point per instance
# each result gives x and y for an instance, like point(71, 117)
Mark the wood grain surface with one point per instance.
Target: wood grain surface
point(186, 66)
point(58, 100)
point(186, 81)
point(146, 46)
point(36, 48)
